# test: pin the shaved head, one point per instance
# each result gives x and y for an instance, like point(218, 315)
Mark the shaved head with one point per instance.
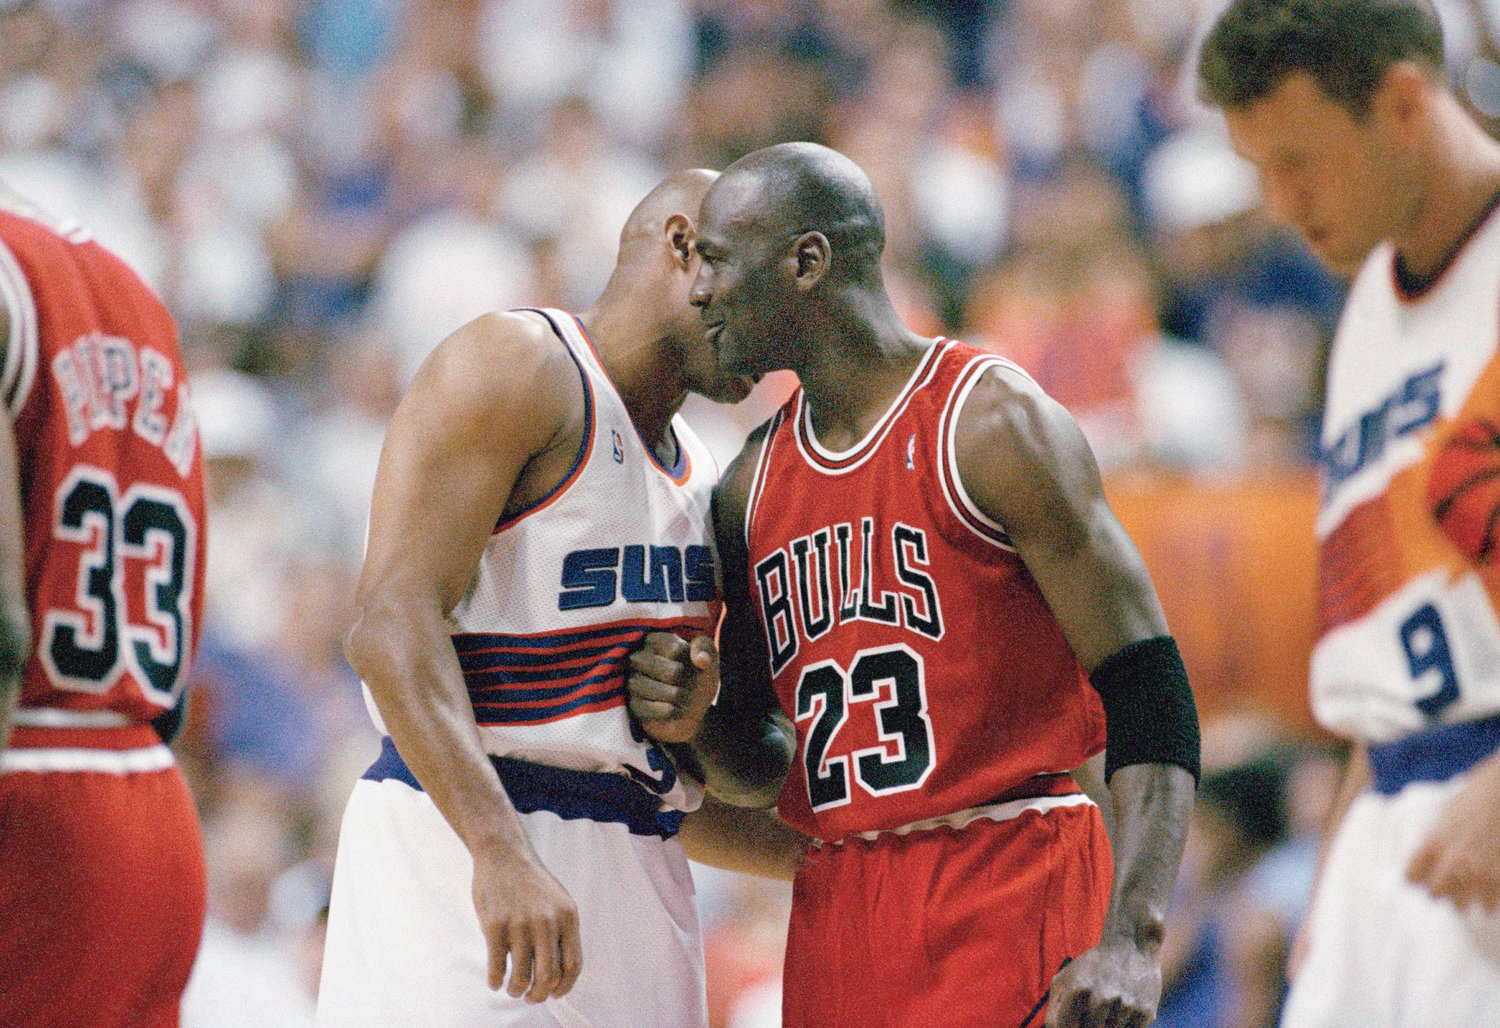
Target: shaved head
point(804, 187)
point(680, 193)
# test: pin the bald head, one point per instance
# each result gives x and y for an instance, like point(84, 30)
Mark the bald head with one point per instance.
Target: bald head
point(679, 193)
point(804, 187)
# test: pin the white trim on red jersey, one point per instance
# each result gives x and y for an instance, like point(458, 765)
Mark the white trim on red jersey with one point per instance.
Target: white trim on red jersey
point(114, 762)
point(833, 462)
point(22, 348)
point(758, 480)
point(959, 501)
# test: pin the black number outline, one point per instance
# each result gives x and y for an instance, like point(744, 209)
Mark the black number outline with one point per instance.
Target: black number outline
point(157, 527)
point(897, 710)
point(827, 779)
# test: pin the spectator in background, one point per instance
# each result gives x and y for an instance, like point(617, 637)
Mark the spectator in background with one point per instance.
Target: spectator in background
point(322, 180)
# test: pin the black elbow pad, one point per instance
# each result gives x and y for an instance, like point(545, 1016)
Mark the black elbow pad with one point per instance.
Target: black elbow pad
point(1149, 713)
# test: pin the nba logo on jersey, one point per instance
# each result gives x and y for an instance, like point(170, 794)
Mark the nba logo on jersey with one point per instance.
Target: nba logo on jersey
point(619, 446)
point(911, 453)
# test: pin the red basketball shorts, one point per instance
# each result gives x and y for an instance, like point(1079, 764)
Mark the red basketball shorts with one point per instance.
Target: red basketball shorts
point(101, 897)
point(945, 927)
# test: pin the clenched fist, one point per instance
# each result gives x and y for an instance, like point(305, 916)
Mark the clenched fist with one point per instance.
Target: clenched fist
point(672, 683)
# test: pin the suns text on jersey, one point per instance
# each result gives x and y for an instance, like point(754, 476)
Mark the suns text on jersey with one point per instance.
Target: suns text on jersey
point(797, 581)
point(108, 382)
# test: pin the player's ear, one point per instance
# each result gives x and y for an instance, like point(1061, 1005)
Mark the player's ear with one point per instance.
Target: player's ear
point(814, 255)
point(679, 233)
point(1402, 99)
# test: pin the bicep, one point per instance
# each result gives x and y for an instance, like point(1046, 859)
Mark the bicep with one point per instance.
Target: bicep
point(452, 454)
point(1026, 465)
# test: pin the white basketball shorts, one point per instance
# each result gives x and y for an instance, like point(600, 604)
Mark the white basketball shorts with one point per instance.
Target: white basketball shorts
point(404, 943)
point(1381, 952)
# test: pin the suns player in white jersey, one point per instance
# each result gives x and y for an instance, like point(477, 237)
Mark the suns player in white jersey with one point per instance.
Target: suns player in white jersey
point(1342, 104)
point(539, 509)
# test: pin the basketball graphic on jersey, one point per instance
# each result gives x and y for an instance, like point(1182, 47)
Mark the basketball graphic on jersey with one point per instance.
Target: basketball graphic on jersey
point(1464, 489)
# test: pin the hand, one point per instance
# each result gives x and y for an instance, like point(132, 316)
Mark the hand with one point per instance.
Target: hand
point(1460, 858)
point(529, 917)
point(672, 684)
point(1113, 985)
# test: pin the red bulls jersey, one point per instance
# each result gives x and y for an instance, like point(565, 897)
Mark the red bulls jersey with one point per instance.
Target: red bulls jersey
point(111, 482)
point(913, 650)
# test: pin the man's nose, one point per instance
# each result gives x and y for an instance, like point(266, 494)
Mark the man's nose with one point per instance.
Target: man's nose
point(700, 294)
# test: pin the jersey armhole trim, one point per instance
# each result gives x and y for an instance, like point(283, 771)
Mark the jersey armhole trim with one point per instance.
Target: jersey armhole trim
point(959, 501)
point(22, 349)
point(762, 467)
point(680, 472)
point(585, 448)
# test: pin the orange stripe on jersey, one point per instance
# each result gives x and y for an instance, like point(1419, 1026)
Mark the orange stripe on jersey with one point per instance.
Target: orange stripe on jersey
point(680, 474)
point(1350, 582)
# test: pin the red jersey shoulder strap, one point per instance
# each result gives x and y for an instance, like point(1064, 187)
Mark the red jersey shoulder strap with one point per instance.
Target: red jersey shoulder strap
point(22, 345)
point(763, 462)
point(957, 497)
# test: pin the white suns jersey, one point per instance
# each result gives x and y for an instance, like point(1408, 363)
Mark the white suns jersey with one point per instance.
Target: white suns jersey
point(1409, 530)
point(567, 589)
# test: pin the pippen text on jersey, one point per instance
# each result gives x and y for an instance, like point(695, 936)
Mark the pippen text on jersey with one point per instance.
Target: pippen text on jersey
point(107, 382)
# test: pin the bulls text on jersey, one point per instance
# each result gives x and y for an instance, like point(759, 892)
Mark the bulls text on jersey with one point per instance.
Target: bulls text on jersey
point(807, 610)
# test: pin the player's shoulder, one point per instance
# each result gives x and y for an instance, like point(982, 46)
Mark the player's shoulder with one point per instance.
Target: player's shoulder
point(732, 492)
point(504, 350)
point(1009, 430)
point(1005, 399)
point(510, 365)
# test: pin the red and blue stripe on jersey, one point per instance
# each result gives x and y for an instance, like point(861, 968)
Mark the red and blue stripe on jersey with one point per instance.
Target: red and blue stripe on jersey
point(544, 677)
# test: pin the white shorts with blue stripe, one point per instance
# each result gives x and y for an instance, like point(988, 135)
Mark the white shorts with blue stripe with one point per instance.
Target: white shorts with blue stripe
point(1383, 953)
point(404, 943)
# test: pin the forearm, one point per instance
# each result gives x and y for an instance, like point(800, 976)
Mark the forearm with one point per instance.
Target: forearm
point(15, 646)
point(743, 761)
point(1152, 803)
point(753, 842)
point(413, 674)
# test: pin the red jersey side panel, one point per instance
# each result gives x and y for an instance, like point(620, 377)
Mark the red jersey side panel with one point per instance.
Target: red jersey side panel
point(111, 480)
point(916, 655)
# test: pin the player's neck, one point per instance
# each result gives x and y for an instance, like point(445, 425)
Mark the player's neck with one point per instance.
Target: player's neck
point(647, 377)
point(858, 365)
point(1460, 185)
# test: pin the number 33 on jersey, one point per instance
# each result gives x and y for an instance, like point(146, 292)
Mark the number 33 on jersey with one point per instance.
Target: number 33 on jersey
point(97, 394)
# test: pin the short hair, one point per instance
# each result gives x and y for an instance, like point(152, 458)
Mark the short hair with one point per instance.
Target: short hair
point(1347, 46)
point(810, 188)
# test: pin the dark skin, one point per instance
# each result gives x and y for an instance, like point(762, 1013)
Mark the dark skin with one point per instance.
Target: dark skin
point(467, 445)
point(778, 291)
point(15, 619)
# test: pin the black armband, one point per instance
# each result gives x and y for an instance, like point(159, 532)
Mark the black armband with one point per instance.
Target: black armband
point(1149, 714)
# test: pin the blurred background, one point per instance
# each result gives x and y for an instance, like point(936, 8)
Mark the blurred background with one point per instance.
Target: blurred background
point(322, 190)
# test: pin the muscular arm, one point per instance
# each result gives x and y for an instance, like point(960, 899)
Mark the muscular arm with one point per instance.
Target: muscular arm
point(490, 398)
point(742, 745)
point(15, 622)
point(1026, 465)
point(745, 744)
point(752, 842)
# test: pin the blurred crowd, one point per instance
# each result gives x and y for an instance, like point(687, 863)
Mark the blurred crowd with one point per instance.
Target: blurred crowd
point(322, 190)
